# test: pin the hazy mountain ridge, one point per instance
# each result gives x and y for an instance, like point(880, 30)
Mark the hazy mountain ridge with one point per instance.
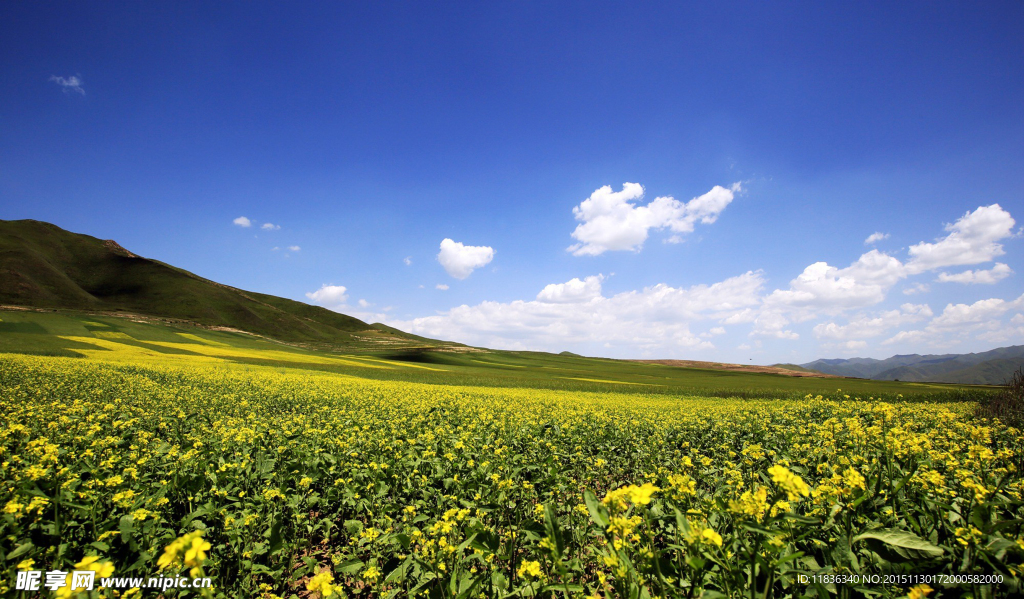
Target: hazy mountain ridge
point(993, 367)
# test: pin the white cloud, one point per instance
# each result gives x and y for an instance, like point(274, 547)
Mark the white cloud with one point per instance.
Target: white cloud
point(329, 295)
point(876, 237)
point(906, 337)
point(294, 248)
point(824, 287)
point(407, 260)
point(461, 260)
point(1017, 319)
point(69, 84)
point(656, 318)
point(334, 298)
point(972, 239)
point(773, 324)
point(573, 291)
point(441, 286)
point(274, 249)
point(269, 226)
point(993, 275)
point(610, 220)
point(743, 316)
point(713, 332)
point(1003, 335)
point(956, 315)
point(917, 288)
point(864, 326)
point(242, 221)
point(957, 321)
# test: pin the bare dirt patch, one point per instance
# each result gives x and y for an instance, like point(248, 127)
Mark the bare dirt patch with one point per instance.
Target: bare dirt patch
point(739, 368)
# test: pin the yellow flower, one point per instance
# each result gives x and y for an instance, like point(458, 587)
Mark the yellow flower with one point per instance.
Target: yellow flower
point(531, 569)
point(618, 499)
point(919, 592)
point(26, 564)
point(102, 569)
point(190, 548)
point(371, 574)
point(322, 583)
point(642, 495)
point(792, 484)
point(711, 537)
point(853, 479)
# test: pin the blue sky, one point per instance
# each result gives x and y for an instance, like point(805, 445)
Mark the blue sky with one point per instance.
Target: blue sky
point(779, 137)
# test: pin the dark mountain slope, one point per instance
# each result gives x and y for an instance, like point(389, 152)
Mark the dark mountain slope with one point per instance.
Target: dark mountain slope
point(993, 367)
point(44, 266)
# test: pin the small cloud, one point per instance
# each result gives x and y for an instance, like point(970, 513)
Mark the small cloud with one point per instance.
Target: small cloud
point(275, 249)
point(876, 237)
point(364, 304)
point(918, 288)
point(69, 84)
point(574, 291)
point(294, 248)
point(243, 222)
point(270, 227)
point(441, 286)
point(743, 346)
point(461, 260)
point(407, 260)
point(329, 295)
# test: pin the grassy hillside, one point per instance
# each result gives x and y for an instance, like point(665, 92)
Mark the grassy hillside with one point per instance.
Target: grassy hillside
point(112, 338)
point(42, 265)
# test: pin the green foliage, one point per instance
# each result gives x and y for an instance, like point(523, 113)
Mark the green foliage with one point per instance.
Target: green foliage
point(1008, 404)
point(311, 483)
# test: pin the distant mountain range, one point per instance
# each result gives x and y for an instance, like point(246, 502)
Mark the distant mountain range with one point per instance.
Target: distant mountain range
point(44, 266)
point(993, 367)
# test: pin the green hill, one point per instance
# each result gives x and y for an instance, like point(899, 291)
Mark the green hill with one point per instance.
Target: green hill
point(44, 266)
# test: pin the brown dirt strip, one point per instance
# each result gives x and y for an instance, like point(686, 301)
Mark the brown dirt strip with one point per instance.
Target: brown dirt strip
point(739, 368)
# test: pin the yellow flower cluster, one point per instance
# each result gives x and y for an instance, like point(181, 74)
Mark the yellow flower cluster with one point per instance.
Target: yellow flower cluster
point(188, 550)
point(790, 483)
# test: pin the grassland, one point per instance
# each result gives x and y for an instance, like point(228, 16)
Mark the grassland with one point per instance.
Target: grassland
point(74, 334)
point(139, 446)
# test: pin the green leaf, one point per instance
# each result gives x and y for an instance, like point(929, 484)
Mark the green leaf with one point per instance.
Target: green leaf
point(553, 530)
point(598, 513)
point(276, 540)
point(904, 543)
point(352, 566)
point(21, 550)
point(125, 525)
point(353, 527)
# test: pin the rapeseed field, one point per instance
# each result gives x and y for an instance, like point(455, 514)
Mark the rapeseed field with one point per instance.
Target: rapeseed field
point(280, 482)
